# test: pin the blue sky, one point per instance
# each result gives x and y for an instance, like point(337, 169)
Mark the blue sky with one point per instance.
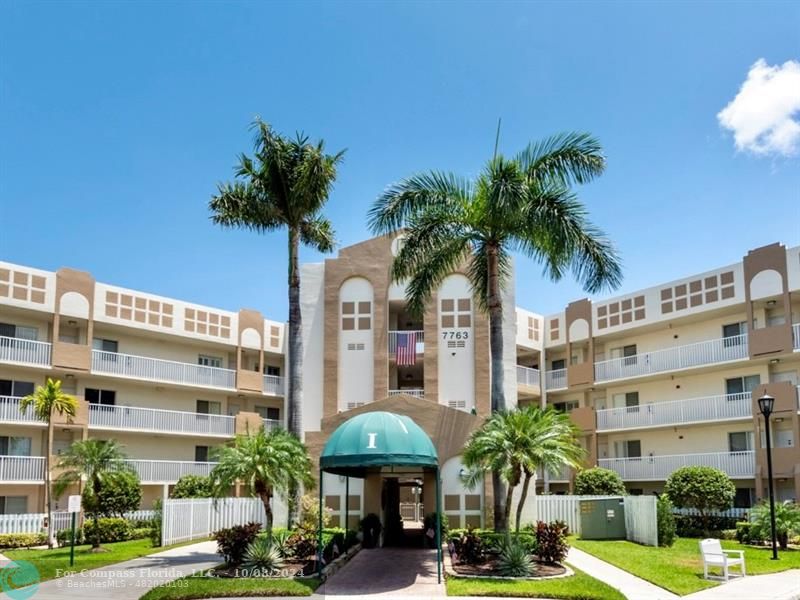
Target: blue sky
point(118, 119)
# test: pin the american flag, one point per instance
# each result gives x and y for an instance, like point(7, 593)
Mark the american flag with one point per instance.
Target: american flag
point(406, 353)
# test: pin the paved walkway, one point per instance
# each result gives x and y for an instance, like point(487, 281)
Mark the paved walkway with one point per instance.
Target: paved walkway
point(775, 586)
point(386, 573)
point(130, 579)
point(632, 587)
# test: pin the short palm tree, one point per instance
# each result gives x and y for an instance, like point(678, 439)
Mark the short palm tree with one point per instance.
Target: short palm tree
point(284, 184)
point(93, 461)
point(787, 521)
point(518, 442)
point(522, 204)
point(47, 400)
point(267, 462)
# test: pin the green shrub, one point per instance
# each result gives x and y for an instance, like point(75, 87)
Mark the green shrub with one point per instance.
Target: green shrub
point(140, 533)
point(192, 486)
point(551, 541)
point(263, 557)
point(705, 489)
point(665, 520)
point(514, 559)
point(599, 482)
point(64, 537)
point(155, 524)
point(120, 492)
point(728, 534)
point(309, 513)
point(787, 521)
point(22, 540)
point(494, 542)
point(746, 533)
point(692, 526)
point(302, 544)
point(108, 529)
point(469, 548)
point(232, 543)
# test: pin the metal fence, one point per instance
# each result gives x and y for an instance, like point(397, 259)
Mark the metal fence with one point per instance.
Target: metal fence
point(34, 522)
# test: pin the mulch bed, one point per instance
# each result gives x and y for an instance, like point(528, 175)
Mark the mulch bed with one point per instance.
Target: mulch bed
point(489, 569)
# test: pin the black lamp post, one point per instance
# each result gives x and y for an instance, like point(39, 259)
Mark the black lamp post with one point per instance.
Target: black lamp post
point(765, 405)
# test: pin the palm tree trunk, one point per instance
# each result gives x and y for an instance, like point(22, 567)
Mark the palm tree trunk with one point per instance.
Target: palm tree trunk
point(507, 508)
point(522, 497)
point(295, 362)
point(265, 498)
point(498, 401)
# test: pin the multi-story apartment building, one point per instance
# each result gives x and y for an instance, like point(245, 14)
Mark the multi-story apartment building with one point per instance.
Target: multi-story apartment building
point(656, 378)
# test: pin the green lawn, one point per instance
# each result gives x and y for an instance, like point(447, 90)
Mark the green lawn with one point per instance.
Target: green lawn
point(578, 587)
point(55, 563)
point(198, 586)
point(679, 568)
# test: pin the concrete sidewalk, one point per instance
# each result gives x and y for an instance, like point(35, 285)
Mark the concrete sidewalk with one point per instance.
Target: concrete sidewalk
point(129, 580)
point(774, 586)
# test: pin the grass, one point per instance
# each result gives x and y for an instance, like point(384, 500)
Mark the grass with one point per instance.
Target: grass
point(198, 586)
point(577, 587)
point(55, 563)
point(679, 569)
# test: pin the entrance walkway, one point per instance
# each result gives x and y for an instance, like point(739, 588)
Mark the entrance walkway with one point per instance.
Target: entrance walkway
point(130, 579)
point(775, 586)
point(387, 572)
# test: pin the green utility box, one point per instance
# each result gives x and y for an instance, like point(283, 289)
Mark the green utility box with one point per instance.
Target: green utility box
point(603, 519)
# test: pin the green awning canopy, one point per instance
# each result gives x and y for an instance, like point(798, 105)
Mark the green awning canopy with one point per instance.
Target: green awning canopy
point(377, 439)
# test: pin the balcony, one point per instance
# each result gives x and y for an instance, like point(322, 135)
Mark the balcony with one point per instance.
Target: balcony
point(796, 336)
point(270, 424)
point(417, 393)
point(555, 380)
point(168, 471)
point(10, 413)
point(673, 359)
point(527, 376)
point(419, 340)
point(738, 465)
point(168, 371)
point(677, 412)
point(22, 469)
point(273, 385)
point(24, 352)
point(564, 474)
point(133, 418)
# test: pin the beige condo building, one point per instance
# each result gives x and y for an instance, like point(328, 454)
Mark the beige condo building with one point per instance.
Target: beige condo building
point(656, 378)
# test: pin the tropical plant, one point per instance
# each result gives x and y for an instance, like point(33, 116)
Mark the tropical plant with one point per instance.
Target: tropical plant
point(523, 204)
point(787, 522)
point(665, 521)
point(551, 541)
point(264, 556)
point(120, 492)
point(48, 400)
point(283, 185)
point(267, 462)
point(514, 559)
point(515, 444)
point(233, 542)
point(96, 461)
point(705, 489)
point(309, 513)
point(192, 486)
point(599, 482)
point(470, 548)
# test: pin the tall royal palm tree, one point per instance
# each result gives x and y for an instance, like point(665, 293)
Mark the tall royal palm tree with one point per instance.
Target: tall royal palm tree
point(268, 463)
point(522, 204)
point(515, 444)
point(47, 400)
point(284, 184)
point(95, 461)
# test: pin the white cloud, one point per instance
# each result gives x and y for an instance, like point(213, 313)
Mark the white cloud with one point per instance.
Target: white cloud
point(765, 115)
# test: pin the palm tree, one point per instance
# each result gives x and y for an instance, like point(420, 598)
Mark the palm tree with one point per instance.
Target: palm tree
point(523, 204)
point(95, 461)
point(515, 444)
point(268, 463)
point(284, 185)
point(47, 400)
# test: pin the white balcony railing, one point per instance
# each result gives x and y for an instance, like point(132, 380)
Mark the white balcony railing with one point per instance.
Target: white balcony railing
point(168, 471)
point(796, 335)
point(417, 393)
point(273, 385)
point(675, 412)
point(153, 419)
point(156, 369)
point(527, 376)
point(27, 352)
point(671, 359)
point(564, 474)
point(270, 424)
point(418, 338)
point(9, 411)
point(22, 468)
point(741, 465)
point(556, 379)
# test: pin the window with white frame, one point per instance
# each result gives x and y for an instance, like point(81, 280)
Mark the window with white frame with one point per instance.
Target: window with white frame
point(13, 505)
point(15, 446)
point(205, 360)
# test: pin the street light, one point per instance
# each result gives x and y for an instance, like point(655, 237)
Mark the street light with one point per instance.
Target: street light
point(765, 404)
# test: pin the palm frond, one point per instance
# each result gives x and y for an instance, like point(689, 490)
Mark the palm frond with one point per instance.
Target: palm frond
point(572, 157)
point(317, 232)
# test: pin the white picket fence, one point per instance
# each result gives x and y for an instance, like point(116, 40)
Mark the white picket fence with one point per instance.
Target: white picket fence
point(739, 513)
point(192, 519)
point(34, 522)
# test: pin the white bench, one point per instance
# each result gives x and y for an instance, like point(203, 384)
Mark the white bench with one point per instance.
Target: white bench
point(715, 556)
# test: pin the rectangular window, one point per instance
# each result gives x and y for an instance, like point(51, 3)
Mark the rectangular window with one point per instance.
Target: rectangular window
point(566, 406)
point(15, 446)
point(101, 397)
point(741, 385)
point(629, 449)
point(13, 505)
point(559, 364)
point(629, 354)
point(201, 453)
point(740, 441)
point(209, 361)
point(270, 370)
point(745, 498)
point(266, 412)
point(18, 331)
point(209, 407)
point(105, 345)
point(16, 389)
point(732, 334)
